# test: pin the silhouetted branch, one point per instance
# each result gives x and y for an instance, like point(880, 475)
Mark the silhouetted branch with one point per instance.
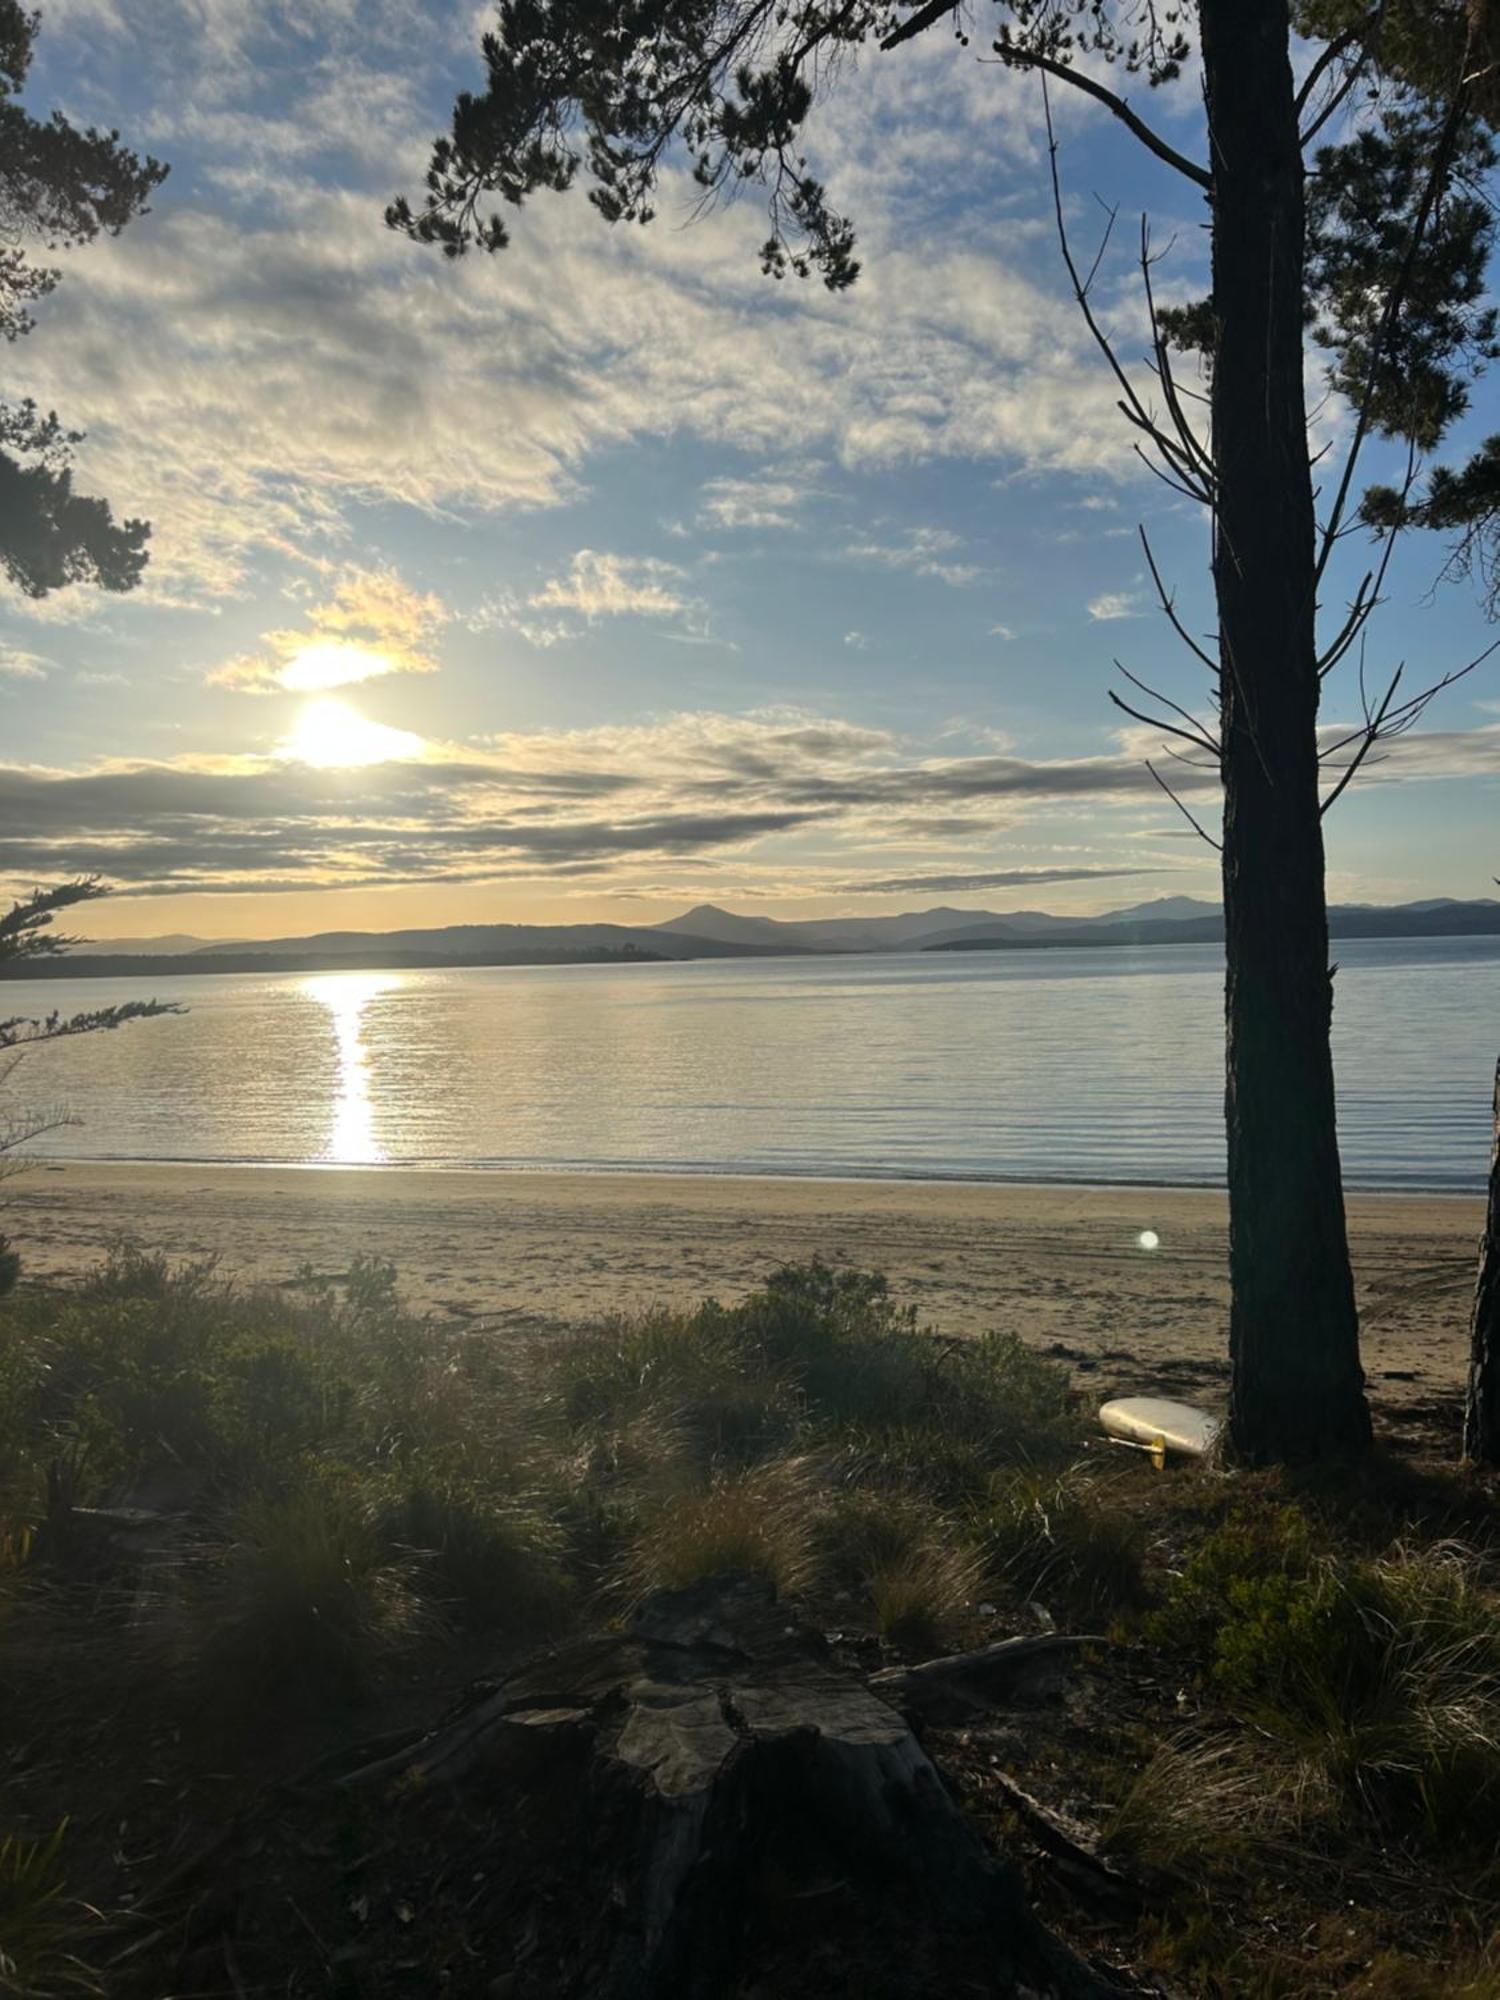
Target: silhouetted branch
point(1162, 363)
point(1015, 58)
point(1194, 733)
point(1193, 822)
point(1183, 476)
point(918, 23)
point(1169, 606)
point(1368, 596)
point(1391, 719)
point(1441, 160)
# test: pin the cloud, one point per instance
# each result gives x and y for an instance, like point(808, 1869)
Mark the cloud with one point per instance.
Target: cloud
point(858, 641)
point(16, 664)
point(372, 624)
point(997, 878)
point(1112, 604)
point(765, 500)
point(925, 551)
point(694, 791)
point(260, 358)
point(600, 585)
point(1002, 632)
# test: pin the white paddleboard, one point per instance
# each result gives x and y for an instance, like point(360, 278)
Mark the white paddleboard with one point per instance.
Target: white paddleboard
point(1156, 1423)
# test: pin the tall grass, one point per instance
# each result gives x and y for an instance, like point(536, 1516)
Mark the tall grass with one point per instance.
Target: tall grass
point(41, 1933)
point(1383, 1674)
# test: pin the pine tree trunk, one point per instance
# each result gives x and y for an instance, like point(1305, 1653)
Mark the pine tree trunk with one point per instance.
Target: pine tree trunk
point(1297, 1388)
point(1482, 1414)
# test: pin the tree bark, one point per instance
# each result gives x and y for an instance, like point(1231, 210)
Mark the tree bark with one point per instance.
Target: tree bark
point(1482, 1411)
point(1297, 1390)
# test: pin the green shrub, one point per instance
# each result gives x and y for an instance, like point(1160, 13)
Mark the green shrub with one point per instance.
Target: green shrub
point(1254, 1544)
point(1385, 1674)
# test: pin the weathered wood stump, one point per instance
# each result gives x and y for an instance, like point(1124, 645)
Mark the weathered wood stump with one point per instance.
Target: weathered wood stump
point(704, 1805)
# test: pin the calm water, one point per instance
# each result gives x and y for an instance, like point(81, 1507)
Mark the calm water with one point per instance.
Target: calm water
point(1098, 1065)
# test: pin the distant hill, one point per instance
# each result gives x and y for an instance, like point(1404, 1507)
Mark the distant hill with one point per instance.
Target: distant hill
point(174, 945)
point(710, 932)
point(1442, 918)
point(477, 942)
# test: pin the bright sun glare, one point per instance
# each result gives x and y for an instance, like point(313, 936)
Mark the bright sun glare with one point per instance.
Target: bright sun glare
point(328, 663)
point(330, 732)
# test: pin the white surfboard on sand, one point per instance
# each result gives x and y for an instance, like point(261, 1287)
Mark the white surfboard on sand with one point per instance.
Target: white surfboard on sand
point(1157, 1424)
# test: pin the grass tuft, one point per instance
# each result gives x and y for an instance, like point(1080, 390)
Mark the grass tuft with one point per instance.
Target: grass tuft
point(39, 1932)
point(305, 1604)
point(1059, 1540)
point(485, 1563)
point(755, 1523)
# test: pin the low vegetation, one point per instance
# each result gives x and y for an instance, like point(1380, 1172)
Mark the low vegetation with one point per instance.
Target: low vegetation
point(240, 1526)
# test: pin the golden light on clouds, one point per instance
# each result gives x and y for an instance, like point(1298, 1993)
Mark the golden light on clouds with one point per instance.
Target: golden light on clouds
point(331, 663)
point(370, 625)
point(330, 734)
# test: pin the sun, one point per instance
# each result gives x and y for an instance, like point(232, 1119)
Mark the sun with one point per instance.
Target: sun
point(330, 733)
point(331, 663)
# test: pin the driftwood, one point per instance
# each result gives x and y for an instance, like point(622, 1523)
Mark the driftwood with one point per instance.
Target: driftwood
point(704, 1806)
point(1482, 1411)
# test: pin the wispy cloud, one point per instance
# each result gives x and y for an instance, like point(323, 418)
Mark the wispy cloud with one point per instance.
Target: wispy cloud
point(994, 878)
point(925, 551)
point(600, 585)
point(17, 664)
point(612, 802)
point(1112, 604)
point(773, 499)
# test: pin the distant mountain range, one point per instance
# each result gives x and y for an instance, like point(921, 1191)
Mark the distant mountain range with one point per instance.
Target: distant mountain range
point(709, 932)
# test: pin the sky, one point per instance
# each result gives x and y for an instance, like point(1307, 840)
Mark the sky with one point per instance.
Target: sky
point(605, 576)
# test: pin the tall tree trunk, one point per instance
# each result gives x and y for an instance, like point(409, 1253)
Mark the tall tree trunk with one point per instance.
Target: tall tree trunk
point(1482, 1413)
point(1297, 1388)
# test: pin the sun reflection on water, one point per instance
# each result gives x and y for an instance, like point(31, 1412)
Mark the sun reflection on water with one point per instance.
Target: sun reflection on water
point(346, 995)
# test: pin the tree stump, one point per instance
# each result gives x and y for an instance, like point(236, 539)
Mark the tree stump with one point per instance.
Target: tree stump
point(704, 1806)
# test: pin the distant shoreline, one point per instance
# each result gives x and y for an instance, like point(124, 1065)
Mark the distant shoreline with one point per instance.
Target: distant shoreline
point(1372, 927)
point(700, 1170)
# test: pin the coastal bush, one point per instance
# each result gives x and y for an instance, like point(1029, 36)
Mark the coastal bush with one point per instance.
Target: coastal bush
point(1383, 1674)
point(1058, 1540)
point(824, 1350)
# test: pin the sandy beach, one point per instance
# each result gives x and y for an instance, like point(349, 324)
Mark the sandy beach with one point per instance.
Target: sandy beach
point(1062, 1266)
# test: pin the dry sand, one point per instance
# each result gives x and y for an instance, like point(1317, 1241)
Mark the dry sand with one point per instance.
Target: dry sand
point(1060, 1265)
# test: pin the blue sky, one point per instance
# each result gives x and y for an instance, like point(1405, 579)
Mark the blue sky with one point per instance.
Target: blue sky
point(605, 576)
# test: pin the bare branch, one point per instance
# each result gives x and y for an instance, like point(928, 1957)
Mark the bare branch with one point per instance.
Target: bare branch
point(1195, 731)
point(1014, 58)
point(1169, 606)
point(1441, 160)
point(1195, 824)
point(918, 23)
